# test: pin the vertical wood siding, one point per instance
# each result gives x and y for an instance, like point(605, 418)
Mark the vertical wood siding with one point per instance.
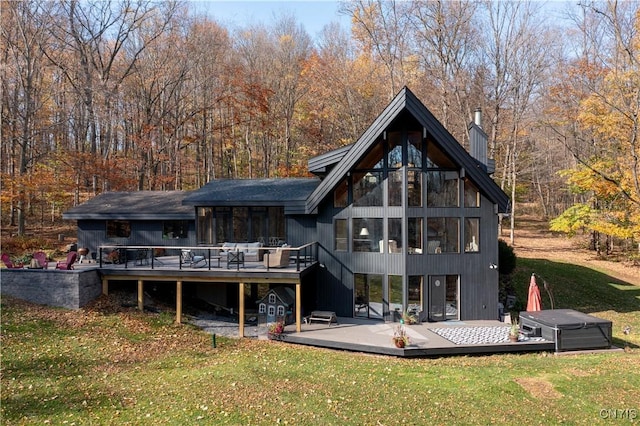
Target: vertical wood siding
point(478, 288)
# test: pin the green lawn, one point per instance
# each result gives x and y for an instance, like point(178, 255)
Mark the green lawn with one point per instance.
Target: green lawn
point(112, 366)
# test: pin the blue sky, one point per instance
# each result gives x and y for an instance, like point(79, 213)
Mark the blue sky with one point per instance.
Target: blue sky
point(312, 14)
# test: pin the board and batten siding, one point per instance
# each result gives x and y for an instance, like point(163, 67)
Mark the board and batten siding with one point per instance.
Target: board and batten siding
point(478, 285)
point(93, 233)
point(301, 229)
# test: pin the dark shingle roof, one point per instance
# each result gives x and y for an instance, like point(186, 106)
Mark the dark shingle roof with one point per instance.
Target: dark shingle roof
point(291, 193)
point(139, 205)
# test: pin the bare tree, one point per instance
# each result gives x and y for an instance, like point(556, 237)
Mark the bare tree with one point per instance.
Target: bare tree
point(445, 38)
point(381, 28)
point(518, 59)
point(106, 39)
point(24, 33)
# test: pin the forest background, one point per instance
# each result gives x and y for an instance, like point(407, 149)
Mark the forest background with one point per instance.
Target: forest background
point(138, 95)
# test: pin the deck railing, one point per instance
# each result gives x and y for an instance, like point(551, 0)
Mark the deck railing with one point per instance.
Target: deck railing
point(302, 255)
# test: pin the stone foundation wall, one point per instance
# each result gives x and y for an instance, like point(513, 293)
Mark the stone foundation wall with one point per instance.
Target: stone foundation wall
point(65, 289)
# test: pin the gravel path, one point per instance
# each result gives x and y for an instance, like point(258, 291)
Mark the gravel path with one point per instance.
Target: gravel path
point(225, 327)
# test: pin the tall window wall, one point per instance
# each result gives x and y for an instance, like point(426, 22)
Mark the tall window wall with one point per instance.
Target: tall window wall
point(389, 197)
point(405, 197)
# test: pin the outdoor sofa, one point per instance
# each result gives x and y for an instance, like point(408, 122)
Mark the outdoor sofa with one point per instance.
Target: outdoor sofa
point(252, 251)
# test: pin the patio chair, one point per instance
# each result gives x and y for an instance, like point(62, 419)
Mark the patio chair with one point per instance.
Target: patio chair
point(9, 264)
point(41, 257)
point(279, 259)
point(194, 261)
point(68, 263)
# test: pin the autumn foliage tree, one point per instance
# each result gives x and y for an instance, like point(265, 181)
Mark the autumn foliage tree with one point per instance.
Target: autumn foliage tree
point(607, 175)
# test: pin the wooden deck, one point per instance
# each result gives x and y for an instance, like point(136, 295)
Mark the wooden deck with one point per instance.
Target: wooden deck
point(171, 269)
point(368, 336)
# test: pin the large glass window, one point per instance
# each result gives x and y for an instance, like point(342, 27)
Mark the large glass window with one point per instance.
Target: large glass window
point(394, 143)
point(471, 194)
point(223, 225)
point(240, 222)
point(367, 189)
point(451, 299)
point(436, 158)
point(367, 234)
point(414, 149)
point(414, 188)
point(415, 235)
point(415, 295)
point(442, 189)
point(175, 229)
point(368, 300)
point(374, 158)
point(118, 229)
point(205, 225)
point(394, 243)
point(341, 233)
point(395, 293)
point(341, 194)
point(471, 235)
point(443, 297)
point(443, 235)
point(258, 225)
point(277, 231)
point(395, 186)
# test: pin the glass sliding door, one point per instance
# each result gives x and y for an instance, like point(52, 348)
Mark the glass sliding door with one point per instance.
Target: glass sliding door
point(437, 292)
point(259, 225)
point(395, 295)
point(205, 225)
point(451, 298)
point(368, 300)
point(415, 302)
point(443, 297)
point(223, 225)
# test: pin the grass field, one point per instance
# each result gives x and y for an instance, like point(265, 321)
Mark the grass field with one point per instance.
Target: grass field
point(110, 365)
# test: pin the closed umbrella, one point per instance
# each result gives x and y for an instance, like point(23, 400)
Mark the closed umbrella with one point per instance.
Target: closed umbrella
point(534, 302)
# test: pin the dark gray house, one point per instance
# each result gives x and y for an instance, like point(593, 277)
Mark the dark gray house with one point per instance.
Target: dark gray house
point(405, 220)
point(134, 218)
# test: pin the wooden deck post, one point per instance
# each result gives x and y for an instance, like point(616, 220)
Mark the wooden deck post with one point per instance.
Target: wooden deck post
point(179, 302)
point(298, 307)
point(241, 309)
point(105, 286)
point(140, 295)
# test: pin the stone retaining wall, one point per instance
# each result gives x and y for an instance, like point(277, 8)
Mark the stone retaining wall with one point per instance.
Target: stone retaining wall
point(65, 289)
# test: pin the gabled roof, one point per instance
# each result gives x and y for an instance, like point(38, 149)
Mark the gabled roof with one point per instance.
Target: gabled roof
point(322, 164)
point(138, 205)
point(291, 193)
point(407, 101)
point(286, 295)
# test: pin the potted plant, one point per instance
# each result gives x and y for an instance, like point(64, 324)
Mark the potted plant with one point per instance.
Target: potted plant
point(514, 331)
point(409, 317)
point(275, 330)
point(400, 338)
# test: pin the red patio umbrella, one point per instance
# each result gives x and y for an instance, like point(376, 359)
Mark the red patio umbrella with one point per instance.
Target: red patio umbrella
point(534, 302)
